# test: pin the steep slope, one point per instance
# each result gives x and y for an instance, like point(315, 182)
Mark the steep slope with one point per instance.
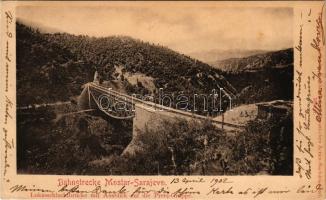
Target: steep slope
point(276, 59)
point(263, 77)
point(46, 72)
point(171, 70)
point(60, 60)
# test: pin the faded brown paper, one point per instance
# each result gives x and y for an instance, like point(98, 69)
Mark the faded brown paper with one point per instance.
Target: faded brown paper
point(308, 179)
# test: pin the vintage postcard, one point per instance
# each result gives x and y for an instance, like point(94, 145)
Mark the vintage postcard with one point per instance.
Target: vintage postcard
point(162, 100)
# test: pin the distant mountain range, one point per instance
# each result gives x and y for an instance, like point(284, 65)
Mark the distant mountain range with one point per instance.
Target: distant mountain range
point(261, 77)
point(275, 59)
point(211, 56)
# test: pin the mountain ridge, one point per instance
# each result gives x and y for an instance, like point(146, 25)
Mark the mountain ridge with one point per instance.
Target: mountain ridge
point(262, 77)
point(213, 55)
point(274, 59)
point(67, 61)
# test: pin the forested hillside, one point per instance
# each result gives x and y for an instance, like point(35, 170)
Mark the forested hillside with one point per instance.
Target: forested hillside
point(47, 62)
point(262, 77)
point(46, 72)
point(53, 67)
point(171, 70)
point(62, 139)
point(276, 59)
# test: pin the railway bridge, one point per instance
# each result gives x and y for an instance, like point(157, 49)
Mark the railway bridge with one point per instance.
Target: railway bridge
point(143, 113)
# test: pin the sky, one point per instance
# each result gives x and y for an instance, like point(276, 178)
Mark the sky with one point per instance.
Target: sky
point(180, 27)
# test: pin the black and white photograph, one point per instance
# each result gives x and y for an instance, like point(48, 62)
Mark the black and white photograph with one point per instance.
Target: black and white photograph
point(154, 90)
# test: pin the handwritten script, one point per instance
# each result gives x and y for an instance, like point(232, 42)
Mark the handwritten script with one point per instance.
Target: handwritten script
point(219, 187)
point(8, 142)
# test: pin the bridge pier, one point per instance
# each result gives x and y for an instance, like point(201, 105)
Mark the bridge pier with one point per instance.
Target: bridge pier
point(145, 118)
point(146, 114)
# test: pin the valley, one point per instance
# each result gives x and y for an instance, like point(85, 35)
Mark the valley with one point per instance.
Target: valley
point(54, 67)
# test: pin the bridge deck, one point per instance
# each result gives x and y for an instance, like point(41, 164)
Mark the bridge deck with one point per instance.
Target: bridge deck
point(157, 107)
